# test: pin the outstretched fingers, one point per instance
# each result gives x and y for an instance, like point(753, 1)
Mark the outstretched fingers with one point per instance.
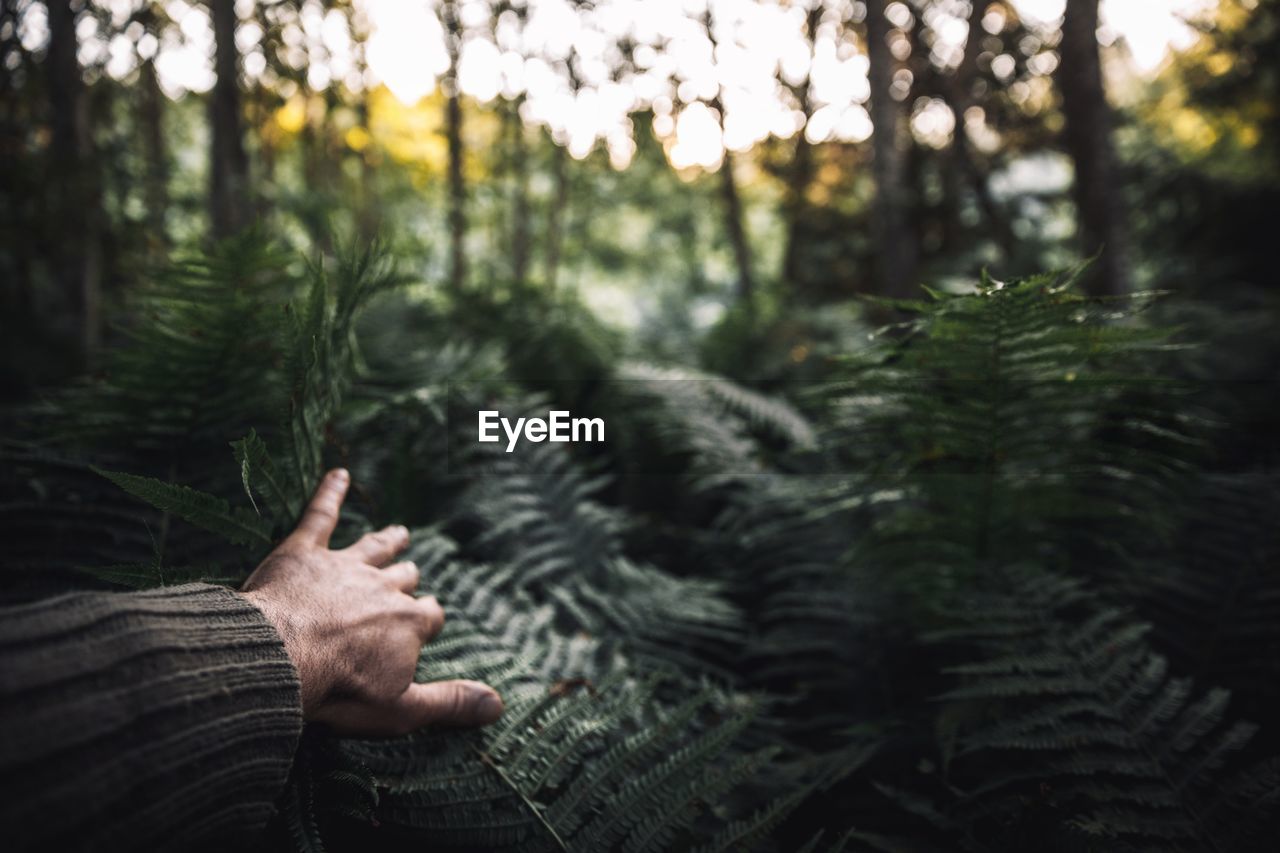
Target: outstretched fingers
point(430, 618)
point(439, 703)
point(321, 515)
point(403, 575)
point(447, 703)
point(377, 548)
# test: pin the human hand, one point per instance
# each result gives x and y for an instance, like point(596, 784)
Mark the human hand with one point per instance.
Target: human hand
point(354, 631)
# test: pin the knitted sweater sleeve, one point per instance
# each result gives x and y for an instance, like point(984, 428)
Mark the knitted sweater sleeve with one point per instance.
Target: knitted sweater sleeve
point(155, 720)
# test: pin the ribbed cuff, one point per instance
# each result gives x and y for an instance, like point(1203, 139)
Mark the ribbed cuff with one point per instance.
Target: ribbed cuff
point(142, 720)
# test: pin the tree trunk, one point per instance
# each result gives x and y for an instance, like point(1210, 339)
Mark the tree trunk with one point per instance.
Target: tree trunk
point(228, 163)
point(801, 174)
point(733, 224)
point(79, 203)
point(259, 113)
point(895, 236)
point(737, 232)
point(1087, 137)
point(453, 133)
point(960, 98)
point(556, 215)
point(368, 220)
point(520, 238)
point(560, 202)
point(156, 191)
point(319, 165)
point(801, 171)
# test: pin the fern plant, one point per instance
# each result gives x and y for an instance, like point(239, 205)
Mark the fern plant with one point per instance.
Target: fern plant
point(1034, 454)
point(317, 353)
point(1215, 606)
point(196, 367)
point(555, 541)
point(612, 738)
point(587, 756)
point(1094, 742)
point(715, 431)
point(734, 621)
point(1020, 420)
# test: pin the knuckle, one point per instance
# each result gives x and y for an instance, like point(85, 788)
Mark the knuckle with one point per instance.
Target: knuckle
point(390, 536)
point(387, 682)
point(430, 616)
point(430, 605)
point(366, 686)
point(399, 576)
point(456, 700)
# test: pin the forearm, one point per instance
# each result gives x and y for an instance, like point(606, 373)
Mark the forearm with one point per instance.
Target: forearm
point(143, 720)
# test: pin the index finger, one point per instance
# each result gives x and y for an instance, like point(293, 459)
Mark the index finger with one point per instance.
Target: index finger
point(321, 515)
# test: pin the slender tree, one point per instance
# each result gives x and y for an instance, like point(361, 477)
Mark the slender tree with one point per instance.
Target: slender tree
point(521, 242)
point(732, 199)
point(896, 247)
point(959, 96)
point(557, 213)
point(800, 172)
point(560, 199)
point(228, 162)
point(733, 218)
point(368, 219)
point(1087, 138)
point(156, 177)
point(73, 167)
point(16, 248)
point(453, 134)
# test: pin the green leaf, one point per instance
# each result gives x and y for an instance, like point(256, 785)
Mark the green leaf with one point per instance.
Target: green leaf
point(150, 575)
point(236, 525)
point(259, 473)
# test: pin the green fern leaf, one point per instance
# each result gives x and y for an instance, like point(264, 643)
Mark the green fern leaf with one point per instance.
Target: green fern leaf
point(237, 526)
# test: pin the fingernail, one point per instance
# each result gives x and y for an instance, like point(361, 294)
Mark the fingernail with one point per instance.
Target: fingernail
point(401, 531)
point(489, 707)
point(340, 474)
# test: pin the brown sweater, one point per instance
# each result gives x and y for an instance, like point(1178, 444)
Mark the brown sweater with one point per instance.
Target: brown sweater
point(157, 720)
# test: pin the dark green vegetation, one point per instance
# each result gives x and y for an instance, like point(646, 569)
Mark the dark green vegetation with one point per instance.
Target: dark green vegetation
point(915, 612)
point(863, 565)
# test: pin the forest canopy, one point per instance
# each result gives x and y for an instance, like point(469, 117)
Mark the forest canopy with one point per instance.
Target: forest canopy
point(933, 347)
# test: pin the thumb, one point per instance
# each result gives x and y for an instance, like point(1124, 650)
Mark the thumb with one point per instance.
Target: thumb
point(321, 515)
point(447, 703)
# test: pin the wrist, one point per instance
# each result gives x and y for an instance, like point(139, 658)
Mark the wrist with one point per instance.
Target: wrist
point(312, 687)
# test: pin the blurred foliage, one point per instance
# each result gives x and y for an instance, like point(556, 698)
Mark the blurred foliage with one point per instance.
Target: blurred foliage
point(849, 573)
point(646, 244)
point(728, 626)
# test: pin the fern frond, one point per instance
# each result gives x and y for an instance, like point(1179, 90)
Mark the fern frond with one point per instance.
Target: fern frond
point(258, 474)
point(1215, 602)
point(565, 767)
point(721, 428)
point(540, 520)
point(1077, 705)
point(236, 525)
point(150, 575)
point(1022, 419)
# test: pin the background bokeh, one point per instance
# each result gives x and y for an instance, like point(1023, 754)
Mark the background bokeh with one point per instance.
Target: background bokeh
point(910, 532)
point(673, 165)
